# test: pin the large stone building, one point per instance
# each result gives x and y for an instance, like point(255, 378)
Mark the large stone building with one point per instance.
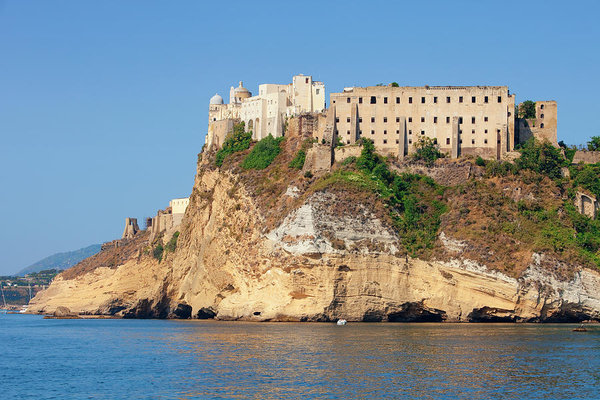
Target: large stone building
point(462, 120)
point(265, 113)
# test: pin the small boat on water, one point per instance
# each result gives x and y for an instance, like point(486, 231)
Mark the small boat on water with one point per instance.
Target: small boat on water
point(341, 322)
point(580, 328)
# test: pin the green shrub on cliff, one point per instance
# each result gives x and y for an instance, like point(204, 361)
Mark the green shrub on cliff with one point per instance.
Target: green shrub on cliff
point(157, 252)
point(587, 176)
point(298, 161)
point(427, 150)
point(263, 153)
point(172, 244)
point(415, 201)
point(541, 157)
point(238, 140)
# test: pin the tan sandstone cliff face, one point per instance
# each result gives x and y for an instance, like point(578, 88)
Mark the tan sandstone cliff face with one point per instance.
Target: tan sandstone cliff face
point(317, 264)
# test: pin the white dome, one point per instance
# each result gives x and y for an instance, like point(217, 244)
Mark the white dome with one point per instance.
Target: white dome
point(216, 99)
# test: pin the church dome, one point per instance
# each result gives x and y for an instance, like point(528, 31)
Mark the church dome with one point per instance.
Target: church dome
point(241, 91)
point(216, 99)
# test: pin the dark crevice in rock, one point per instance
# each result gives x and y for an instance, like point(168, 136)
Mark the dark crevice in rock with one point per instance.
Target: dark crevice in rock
point(492, 314)
point(416, 312)
point(206, 313)
point(182, 311)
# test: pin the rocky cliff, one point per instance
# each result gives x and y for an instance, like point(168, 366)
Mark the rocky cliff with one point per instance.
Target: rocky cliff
point(275, 245)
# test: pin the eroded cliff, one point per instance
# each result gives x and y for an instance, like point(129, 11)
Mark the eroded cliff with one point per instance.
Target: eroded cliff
point(276, 245)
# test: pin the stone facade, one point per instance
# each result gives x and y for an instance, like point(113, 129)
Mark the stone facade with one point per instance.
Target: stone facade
point(586, 157)
point(475, 120)
point(266, 113)
point(543, 127)
point(131, 228)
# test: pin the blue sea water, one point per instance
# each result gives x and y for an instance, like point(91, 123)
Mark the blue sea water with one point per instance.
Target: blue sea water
point(157, 359)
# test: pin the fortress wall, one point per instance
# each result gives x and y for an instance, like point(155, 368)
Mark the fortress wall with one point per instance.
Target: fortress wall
point(586, 157)
point(318, 158)
point(343, 152)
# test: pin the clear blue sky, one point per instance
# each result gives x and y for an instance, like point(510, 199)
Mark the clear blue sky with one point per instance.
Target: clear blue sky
point(103, 104)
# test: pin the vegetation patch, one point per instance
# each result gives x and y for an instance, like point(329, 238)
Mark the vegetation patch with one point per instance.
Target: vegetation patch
point(263, 153)
point(157, 252)
point(427, 150)
point(238, 140)
point(171, 246)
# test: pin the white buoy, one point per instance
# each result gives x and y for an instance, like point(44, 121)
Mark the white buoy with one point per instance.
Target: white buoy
point(341, 322)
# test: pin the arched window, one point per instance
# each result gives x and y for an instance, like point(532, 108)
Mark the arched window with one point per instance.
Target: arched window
point(542, 125)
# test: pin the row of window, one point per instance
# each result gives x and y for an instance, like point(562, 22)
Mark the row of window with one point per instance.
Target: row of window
point(410, 132)
point(410, 119)
point(373, 99)
point(384, 141)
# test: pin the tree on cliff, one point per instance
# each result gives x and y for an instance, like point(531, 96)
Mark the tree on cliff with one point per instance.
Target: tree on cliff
point(427, 150)
point(527, 109)
point(594, 143)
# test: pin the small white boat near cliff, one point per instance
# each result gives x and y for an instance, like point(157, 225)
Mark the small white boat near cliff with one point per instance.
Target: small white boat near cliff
point(341, 322)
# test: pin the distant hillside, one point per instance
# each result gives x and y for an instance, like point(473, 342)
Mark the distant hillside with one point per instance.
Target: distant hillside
point(61, 260)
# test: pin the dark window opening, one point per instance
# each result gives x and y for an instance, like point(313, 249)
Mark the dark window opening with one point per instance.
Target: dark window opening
point(347, 132)
point(473, 99)
point(409, 119)
point(542, 125)
point(397, 100)
point(397, 141)
point(435, 120)
point(460, 120)
point(385, 132)
point(422, 132)
point(360, 100)
point(372, 119)
point(385, 100)
point(473, 131)
point(384, 141)
point(448, 140)
point(448, 99)
point(485, 99)
point(435, 99)
point(485, 141)
point(372, 132)
point(542, 106)
point(434, 140)
point(472, 141)
point(410, 131)
point(472, 120)
point(499, 99)
point(447, 120)
point(485, 131)
point(348, 100)
point(485, 119)
point(384, 119)
point(422, 119)
point(410, 100)
point(337, 119)
point(348, 119)
point(359, 119)
point(409, 141)
point(373, 100)
point(460, 99)
point(397, 119)
point(397, 131)
point(541, 115)
point(423, 100)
